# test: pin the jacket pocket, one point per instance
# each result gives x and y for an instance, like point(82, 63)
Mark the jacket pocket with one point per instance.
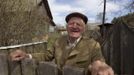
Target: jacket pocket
point(80, 61)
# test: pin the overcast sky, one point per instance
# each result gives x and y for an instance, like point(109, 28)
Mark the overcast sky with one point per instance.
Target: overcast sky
point(60, 8)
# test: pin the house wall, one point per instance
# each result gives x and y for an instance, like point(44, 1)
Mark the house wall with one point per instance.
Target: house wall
point(22, 21)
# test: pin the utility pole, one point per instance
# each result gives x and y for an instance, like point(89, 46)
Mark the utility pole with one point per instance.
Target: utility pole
point(103, 20)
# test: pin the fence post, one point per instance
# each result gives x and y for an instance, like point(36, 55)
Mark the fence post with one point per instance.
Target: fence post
point(14, 68)
point(47, 68)
point(28, 67)
point(3, 64)
point(68, 70)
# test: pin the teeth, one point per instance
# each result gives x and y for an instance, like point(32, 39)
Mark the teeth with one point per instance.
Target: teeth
point(75, 31)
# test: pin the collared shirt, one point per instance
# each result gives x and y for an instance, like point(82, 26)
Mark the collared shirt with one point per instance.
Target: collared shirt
point(72, 45)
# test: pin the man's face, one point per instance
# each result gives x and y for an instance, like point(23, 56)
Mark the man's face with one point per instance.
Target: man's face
point(75, 27)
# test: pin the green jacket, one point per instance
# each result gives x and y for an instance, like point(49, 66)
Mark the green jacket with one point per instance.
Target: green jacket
point(84, 53)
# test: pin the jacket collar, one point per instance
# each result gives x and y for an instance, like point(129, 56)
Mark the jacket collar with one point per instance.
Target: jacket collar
point(72, 45)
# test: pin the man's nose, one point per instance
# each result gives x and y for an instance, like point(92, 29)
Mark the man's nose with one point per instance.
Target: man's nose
point(75, 25)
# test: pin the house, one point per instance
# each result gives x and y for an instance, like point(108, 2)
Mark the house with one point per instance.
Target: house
point(61, 30)
point(24, 21)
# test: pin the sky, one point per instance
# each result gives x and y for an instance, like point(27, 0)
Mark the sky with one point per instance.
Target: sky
point(61, 8)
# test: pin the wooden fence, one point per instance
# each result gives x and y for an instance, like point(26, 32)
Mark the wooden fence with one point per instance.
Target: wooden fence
point(118, 49)
point(30, 66)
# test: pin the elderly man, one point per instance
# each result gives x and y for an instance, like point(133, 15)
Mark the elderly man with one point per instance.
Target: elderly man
point(73, 49)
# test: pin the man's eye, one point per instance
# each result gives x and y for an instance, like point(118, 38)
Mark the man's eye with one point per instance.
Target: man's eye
point(78, 24)
point(71, 23)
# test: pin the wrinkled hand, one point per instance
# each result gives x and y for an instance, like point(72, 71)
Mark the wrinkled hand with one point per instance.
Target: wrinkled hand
point(100, 68)
point(18, 55)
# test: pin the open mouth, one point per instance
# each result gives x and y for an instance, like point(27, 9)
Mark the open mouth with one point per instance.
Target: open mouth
point(75, 30)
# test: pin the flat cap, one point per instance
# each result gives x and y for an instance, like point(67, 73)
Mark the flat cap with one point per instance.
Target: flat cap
point(76, 14)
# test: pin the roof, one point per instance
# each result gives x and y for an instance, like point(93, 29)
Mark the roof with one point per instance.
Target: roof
point(105, 24)
point(46, 5)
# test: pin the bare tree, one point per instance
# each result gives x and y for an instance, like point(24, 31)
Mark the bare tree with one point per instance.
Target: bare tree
point(21, 21)
point(99, 17)
point(129, 5)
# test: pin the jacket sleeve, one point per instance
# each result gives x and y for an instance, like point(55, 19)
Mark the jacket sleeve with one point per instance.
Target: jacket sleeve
point(48, 55)
point(97, 53)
